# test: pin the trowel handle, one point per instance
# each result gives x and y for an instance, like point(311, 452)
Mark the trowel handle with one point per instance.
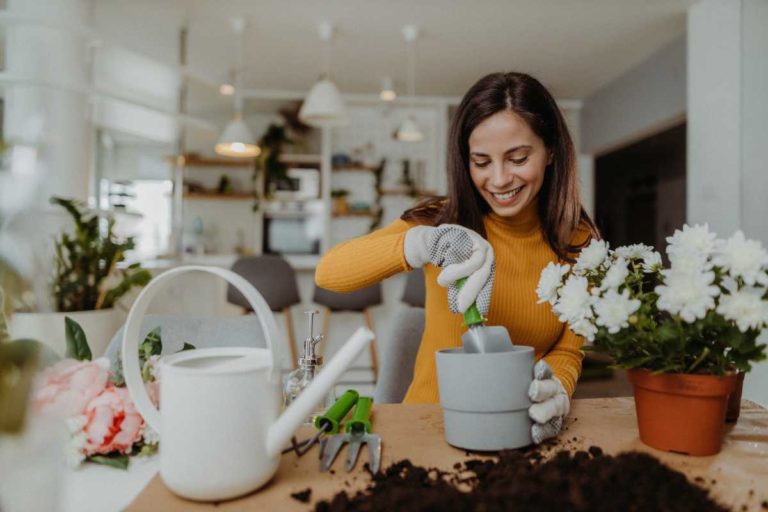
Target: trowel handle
point(329, 422)
point(472, 315)
point(360, 418)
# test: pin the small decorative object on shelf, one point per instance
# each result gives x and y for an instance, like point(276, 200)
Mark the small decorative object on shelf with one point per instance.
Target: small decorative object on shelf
point(683, 332)
point(340, 204)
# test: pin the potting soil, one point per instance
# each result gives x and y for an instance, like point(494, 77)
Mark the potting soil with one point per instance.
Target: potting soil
point(531, 481)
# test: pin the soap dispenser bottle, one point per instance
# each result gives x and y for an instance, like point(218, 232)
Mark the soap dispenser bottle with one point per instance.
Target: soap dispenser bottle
point(309, 364)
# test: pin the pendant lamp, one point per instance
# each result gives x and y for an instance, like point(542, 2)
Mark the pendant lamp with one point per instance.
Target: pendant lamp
point(409, 130)
point(323, 105)
point(237, 140)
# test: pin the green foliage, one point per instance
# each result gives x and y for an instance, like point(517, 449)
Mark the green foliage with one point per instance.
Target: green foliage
point(664, 343)
point(77, 343)
point(4, 335)
point(87, 259)
point(271, 144)
point(115, 460)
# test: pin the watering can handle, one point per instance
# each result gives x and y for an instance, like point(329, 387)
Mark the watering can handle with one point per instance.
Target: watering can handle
point(130, 349)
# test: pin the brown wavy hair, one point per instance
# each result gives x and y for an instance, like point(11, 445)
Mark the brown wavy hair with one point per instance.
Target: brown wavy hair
point(560, 208)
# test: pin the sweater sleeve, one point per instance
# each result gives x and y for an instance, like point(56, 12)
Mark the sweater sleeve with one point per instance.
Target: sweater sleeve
point(565, 358)
point(365, 260)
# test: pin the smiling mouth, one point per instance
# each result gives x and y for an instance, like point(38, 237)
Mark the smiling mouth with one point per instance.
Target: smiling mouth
point(508, 195)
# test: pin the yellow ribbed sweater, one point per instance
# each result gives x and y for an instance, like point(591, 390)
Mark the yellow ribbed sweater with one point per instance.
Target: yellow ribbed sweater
point(521, 253)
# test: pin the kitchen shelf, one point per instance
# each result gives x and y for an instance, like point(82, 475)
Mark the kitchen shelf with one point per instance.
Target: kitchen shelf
point(196, 160)
point(305, 159)
point(355, 168)
point(234, 196)
point(406, 192)
point(355, 214)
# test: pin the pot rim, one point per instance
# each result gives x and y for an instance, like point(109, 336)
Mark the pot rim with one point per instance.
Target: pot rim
point(690, 384)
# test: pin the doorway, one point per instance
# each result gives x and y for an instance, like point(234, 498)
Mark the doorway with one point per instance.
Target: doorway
point(640, 190)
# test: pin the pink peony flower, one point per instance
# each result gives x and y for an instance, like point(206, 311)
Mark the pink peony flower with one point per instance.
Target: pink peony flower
point(112, 422)
point(66, 388)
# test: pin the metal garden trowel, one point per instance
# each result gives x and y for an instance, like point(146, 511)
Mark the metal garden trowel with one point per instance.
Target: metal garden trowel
point(481, 338)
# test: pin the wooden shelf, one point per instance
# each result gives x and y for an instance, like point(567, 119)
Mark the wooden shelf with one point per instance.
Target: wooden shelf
point(196, 160)
point(354, 214)
point(355, 168)
point(406, 192)
point(302, 159)
point(234, 196)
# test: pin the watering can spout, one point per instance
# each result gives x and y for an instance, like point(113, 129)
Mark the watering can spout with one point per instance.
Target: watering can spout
point(281, 431)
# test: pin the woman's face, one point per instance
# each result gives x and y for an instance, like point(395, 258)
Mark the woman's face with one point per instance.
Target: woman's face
point(507, 162)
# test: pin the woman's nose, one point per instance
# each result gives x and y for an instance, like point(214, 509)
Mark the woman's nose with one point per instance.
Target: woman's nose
point(500, 177)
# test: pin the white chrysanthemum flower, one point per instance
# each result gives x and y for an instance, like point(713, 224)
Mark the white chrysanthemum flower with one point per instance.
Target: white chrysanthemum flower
point(688, 294)
point(149, 435)
point(634, 251)
point(698, 239)
point(575, 301)
point(74, 449)
point(690, 262)
point(614, 309)
point(591, 256)
point(75, 424)
point(743, 258)
point(652, 262)
point(550, 281)
point(745, 307)
point(584, 328)
point(616, 275)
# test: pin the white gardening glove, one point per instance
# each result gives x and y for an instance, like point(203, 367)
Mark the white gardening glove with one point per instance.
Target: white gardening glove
point(551, 403)
point(460, 252)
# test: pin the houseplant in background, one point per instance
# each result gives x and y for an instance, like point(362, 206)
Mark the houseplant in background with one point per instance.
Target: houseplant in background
point(682, 332)
point(87, 282)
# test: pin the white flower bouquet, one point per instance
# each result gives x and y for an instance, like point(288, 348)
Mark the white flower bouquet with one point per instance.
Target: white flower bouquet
point(703, 314)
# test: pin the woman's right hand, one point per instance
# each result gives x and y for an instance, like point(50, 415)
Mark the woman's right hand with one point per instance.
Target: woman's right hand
point(461, 253)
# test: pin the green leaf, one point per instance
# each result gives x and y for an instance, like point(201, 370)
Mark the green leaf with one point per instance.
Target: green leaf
point(152, 344)
point(4, 335)
point(187, 346)
point(77, 344)
point(115, 460)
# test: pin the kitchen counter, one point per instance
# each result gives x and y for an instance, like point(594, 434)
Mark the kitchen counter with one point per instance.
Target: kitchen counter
point(736, 476)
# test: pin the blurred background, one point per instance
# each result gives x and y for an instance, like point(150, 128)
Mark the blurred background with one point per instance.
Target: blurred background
point(180, 121)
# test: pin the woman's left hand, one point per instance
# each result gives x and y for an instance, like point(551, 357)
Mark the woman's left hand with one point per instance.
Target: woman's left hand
point(551, 403)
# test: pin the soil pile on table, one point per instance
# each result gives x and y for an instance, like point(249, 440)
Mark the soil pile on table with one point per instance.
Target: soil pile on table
point(529, 481)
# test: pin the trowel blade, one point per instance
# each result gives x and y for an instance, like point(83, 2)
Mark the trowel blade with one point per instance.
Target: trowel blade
point(481, 339)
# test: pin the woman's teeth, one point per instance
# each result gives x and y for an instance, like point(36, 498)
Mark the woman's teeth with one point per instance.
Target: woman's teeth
point(508, 195)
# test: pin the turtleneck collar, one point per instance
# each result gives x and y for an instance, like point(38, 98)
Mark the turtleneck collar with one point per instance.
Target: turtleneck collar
point(524, 223)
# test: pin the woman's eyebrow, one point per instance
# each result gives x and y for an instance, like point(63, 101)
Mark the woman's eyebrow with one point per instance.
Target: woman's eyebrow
point(510, 150)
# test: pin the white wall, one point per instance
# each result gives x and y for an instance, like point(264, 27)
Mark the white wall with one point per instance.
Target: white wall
point(727, 128)
point(646, 99)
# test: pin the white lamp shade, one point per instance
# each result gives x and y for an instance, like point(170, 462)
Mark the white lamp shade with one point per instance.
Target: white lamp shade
point(409, 131)
point(237, 141)
point(323, 106)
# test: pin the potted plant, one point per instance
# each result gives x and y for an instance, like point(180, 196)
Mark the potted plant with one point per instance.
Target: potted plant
point(86, 283)
point(682, 332)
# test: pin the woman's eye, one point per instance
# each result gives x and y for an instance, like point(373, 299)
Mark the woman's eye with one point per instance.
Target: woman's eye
point(519, 161)
point(482, 164)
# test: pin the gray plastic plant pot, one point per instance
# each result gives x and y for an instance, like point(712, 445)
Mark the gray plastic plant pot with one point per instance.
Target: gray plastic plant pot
point(485, 398)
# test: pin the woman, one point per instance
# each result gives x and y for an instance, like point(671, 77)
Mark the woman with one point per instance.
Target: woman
point(512, 207)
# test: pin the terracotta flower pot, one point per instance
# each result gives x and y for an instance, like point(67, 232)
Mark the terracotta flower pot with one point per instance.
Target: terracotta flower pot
point(734, 400)
point(681, 413)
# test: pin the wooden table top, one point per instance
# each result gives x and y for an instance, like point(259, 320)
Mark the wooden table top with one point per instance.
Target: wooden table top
point(737, 476)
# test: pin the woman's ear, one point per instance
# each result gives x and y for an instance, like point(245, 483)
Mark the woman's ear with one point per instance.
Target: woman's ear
point(550, 157)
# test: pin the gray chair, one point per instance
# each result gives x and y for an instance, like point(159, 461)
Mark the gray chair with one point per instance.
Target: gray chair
point(275, 279)
point(360, 301)
point(175, 330)
point(398, 348)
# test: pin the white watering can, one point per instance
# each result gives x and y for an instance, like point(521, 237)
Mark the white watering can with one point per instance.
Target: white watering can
point(221, 433)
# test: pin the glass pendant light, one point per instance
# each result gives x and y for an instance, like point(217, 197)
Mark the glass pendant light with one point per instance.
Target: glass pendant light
point(409, 130)
point(237, 140)
point(323, 105)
